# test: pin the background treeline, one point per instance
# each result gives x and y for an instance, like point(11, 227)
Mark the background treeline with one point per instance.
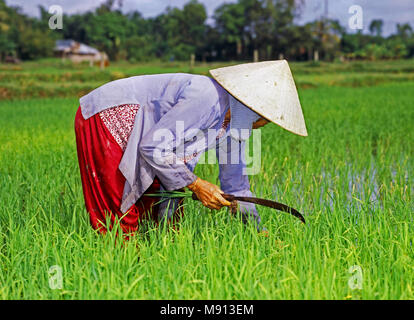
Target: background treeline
point(234, 33)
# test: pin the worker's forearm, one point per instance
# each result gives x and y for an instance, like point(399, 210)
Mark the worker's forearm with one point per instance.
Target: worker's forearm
point(172, 173)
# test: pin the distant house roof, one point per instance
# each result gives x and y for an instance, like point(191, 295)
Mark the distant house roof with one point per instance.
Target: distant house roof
point(62, 45)
point(72, 46)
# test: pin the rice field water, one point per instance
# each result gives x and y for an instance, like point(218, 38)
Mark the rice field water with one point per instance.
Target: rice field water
point(352, 178)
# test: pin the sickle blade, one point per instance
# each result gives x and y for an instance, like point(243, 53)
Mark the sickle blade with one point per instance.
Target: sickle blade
point(267, 203)
point(263, 202)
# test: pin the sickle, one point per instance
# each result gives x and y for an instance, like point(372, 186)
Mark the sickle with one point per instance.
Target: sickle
point(263, 202)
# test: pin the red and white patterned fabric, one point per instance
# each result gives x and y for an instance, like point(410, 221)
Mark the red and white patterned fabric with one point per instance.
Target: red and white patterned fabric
point(223, 129)
point(119, 121)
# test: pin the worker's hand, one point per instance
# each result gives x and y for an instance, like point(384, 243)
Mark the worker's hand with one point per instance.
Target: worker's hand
point(209, 194)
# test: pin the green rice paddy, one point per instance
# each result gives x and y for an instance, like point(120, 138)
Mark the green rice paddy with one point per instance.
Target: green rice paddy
point(352, 178)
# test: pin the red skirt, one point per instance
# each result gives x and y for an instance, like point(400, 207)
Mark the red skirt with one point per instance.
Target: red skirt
point(99, 156)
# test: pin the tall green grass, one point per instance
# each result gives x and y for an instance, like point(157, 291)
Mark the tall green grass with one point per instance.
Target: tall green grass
point(352, 178)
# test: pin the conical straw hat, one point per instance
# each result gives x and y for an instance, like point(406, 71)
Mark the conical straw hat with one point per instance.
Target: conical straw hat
point(268, 89)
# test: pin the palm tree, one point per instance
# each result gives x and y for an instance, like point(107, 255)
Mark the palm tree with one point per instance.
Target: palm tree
point(376, 27)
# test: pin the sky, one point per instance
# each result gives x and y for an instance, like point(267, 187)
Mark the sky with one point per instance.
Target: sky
point(390, 11)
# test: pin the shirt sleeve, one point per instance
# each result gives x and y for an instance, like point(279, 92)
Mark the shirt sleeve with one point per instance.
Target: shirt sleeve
point(197, 108)
point(232, 178)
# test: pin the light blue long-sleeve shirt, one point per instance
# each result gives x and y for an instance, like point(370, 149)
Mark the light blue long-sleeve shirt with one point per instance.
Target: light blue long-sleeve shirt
point(180, 105)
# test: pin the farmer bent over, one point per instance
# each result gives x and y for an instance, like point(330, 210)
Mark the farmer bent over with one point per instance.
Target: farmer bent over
point(129, 133)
